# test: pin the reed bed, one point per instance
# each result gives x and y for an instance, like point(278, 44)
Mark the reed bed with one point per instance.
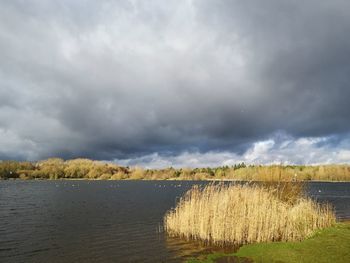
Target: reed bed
point(239, 214)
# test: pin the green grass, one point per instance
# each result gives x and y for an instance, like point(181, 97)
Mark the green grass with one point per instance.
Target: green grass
point(330, 245)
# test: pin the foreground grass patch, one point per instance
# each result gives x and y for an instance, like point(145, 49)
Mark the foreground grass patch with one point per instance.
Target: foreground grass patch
point(328, 245)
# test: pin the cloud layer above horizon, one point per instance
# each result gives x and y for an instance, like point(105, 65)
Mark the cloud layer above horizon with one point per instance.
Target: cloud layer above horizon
point(175, 83)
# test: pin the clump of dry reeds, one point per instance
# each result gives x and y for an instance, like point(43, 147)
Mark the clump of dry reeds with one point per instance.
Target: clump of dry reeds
point(239, 214)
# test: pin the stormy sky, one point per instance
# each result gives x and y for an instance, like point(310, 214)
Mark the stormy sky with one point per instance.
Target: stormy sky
point(175, 83)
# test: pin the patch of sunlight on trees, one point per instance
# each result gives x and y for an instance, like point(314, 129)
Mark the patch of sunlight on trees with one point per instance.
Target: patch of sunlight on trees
point(56, 168)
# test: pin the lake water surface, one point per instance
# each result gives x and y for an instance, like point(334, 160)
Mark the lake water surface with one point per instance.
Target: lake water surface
point(105, 221)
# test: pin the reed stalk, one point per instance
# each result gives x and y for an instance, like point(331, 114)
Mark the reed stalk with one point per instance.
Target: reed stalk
point(240, 214)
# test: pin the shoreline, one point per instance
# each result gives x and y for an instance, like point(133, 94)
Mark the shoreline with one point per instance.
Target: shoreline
point(171, 179)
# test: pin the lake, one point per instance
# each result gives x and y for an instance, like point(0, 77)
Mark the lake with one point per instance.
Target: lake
point(105, 221)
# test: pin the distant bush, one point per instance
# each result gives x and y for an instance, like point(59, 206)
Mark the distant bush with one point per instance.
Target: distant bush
point(137, 173)
point(119, 176)
point(105, 177)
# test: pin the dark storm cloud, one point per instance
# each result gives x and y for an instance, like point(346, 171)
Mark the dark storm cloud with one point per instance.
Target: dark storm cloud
point(123, 79)
point(299, 55)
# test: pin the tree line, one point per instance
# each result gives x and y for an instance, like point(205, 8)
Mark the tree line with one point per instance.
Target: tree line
point(56, 168)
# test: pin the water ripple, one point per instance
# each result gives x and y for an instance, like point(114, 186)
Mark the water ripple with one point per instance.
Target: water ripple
point(104, 221)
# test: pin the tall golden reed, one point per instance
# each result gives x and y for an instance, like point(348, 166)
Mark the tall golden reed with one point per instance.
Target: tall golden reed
point(240, 214)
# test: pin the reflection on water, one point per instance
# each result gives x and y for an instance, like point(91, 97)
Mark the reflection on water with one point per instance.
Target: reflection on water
point(105, 221)
point(186, 249)
point(233, 259)
point(183, 249)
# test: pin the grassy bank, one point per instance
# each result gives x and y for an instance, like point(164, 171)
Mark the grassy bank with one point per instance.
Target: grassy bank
point(56, 168)
point(328, 245)
point(239, 214)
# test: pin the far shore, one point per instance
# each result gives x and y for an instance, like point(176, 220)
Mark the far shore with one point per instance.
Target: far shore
point(85, 169)
point(169, 179)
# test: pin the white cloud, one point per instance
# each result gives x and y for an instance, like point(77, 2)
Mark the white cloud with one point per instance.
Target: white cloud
point(259, 150)
point(271, 151)
point(14, 146)
point(344, 155)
